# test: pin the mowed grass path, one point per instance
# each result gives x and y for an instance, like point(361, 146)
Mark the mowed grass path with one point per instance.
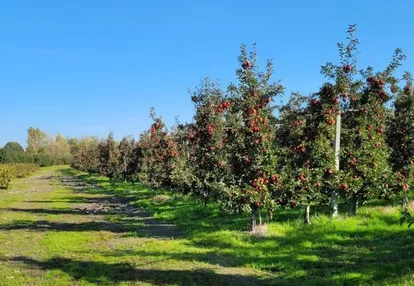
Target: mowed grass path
point(62, 227)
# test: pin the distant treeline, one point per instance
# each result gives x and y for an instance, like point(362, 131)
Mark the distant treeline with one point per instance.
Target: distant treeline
point(42, 149)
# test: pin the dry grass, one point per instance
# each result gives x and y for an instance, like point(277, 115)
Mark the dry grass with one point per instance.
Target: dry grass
point(161, 198)
point(260, 230)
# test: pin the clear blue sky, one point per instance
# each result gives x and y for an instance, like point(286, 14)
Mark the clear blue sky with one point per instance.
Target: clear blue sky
point(87, 67)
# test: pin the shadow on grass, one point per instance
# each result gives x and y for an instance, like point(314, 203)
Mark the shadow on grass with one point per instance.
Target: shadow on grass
point(190, 216)
point(326, 253)
point(138, 228)
point(44, 225)
point(178, 209)
point(102, 273)
point(343, 257)
point(72, 211)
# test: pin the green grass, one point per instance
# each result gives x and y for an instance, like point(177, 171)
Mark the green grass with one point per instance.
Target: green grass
point(54, 234)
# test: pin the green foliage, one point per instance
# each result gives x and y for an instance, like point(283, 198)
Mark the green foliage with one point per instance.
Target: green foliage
point(11, 171)
point(37, 140)
point(108, 157)
point(86, 155)
point(23, 170)
point(236, 152)
point(6, 175)
point(13, 152)
point(373, 245)
point(129, 154)
point(406, 218)
point(158, 150)
point(365, 157)
point(253, 160)
point(183, 177)
point(13, 147)
point(46, 150)
point(208, 159)
point(365, 171)
point(400, 136)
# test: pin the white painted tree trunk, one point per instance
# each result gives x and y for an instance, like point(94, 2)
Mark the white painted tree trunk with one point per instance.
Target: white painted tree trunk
point(337, 149)
point(253, 219)
point(260, 218)
point(307, 215)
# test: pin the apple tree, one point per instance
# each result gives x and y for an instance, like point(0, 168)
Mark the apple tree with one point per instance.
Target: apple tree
point(400, 137)
point(254, 163)
point(158, 152)
point(108, 157)
point(128, 158)
point(209, 158)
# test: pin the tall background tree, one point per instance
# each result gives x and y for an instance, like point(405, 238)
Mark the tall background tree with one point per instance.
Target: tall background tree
point(37, 140)
point(13, 152)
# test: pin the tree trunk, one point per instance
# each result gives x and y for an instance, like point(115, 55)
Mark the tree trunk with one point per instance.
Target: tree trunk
point(253, 219)
point(307, 215)
point(125, 171)
point(354, 206)
point(260, 217)
point(334, 204)
point(337, 149)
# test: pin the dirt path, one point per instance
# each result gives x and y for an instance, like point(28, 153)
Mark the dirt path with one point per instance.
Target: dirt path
point(94, 210)
point(121, 207)
point(56, 229)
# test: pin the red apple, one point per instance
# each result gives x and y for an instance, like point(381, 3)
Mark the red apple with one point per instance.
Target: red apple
point(246, 65)
point(347, 68)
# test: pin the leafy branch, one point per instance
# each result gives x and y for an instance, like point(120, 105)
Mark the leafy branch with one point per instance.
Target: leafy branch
point(406, 218)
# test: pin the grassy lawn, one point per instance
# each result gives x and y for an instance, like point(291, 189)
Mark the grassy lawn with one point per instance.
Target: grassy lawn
point(62, 227)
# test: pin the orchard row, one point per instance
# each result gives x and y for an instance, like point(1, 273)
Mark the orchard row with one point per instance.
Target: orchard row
point(11, 171)
point(238, 153)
